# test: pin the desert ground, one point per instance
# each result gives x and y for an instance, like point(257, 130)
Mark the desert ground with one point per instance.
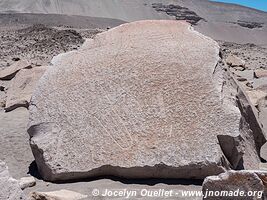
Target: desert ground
point(38, 31)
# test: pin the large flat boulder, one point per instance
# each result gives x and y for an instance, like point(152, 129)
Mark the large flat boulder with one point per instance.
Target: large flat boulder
point(21, 88)
point(9, 72)
point(10, 189)
point(142, 100)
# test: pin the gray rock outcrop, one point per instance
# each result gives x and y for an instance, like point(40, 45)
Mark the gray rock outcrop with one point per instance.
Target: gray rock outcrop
point(143, 100)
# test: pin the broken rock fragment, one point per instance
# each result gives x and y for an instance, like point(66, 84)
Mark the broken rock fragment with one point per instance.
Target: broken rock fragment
point(9, 72)
point(232, 185)
point(57, 195)
point(26, 182)
point(236, 62)
point(21, 88)
point(137, 101)
point(260, 73)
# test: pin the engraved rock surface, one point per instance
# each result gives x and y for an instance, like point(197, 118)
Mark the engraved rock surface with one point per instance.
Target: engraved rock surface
point(138, 101)
point(21, 88)
point(10, 189)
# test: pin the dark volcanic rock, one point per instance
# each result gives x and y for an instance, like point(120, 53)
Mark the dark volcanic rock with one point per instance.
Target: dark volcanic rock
point(179, 12)
point(250, 25)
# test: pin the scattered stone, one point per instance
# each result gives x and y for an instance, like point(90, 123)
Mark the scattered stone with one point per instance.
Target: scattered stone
point(38, 43)
point(10, 189)
point(57, 195)
point(26, 182)
point(21, 88)
point(241, 79)
point(260, 73)
point(236, 62)
point(249, 84)
point(247, 181)
point(9, 72)
point(93, 115)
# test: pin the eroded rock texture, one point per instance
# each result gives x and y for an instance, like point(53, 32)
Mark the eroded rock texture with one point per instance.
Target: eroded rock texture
point(142, 100)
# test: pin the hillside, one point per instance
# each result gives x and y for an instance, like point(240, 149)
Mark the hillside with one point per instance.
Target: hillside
point(220, 21)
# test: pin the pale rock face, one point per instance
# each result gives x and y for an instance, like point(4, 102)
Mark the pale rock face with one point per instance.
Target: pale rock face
point(9, 72)
point(21, 88)
point(26, 182)
point(260, 73)
point(10, 189)
point(236, 62)
point(57, 195)
point(142, 100)
point(246, 181)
